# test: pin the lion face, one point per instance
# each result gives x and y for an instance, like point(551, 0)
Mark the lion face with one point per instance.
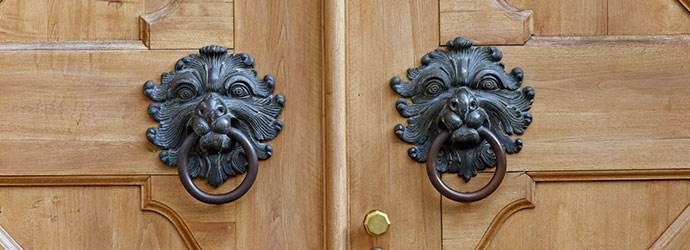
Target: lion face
point(208, 95)
point(459, 91)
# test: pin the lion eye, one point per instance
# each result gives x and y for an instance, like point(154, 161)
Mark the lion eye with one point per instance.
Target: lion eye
point(185, 92)
point(434, 88)
point(489, 82)
point(239, 90)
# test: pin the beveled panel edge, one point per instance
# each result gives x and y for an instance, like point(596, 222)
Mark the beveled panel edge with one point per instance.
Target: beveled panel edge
point(678, 231)
point(149, 27)
point(685, 3)
point(610, 40)
point(143, 181)
point(72, 45)
point(516, 28)
point(610, 175)
point(506, 212)
point(7, 242)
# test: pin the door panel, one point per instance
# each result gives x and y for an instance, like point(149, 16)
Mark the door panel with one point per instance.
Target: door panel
point(75, 118)
point(95, 217)
point(604, 162)
point(607, 139)
point(383, 39)
point(49, 20)
point(607, 17)
point(594, 215)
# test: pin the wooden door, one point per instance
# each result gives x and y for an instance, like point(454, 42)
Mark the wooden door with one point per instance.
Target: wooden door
point(603, 166)
point(605, 161)
point(76, 169)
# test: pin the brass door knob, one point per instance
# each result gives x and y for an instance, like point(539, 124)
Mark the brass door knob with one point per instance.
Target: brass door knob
point(376, 223)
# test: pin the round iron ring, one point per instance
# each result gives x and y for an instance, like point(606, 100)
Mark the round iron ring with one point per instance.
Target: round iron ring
point(252, 170)
point(435, 176)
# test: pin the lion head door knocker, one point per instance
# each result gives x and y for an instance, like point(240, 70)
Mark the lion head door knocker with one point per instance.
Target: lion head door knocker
point(464, 109)
point(213, 113)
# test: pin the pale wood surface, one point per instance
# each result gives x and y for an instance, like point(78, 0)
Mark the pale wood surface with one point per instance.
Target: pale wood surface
point(155, 197)
point(495, 22)
point(212, 226)
point(335, 140)
point(188, 24)
point(607, 17)
point(583, 17)
point(685, 4)
point(595, 215)
point(613, 104)
point(7, 242)
point(73, 45)
point(77, 108)
point(285, 207)
point(676, 236)
point(93, 217)
point(647, 17)
point(82, 111)
point(60, 20)
point(79, 112)
point(604, 107)
point(383, 40)
point(473, 225)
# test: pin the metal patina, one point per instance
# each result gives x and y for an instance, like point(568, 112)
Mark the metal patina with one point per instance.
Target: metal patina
point(208, 95)
point(458, 91)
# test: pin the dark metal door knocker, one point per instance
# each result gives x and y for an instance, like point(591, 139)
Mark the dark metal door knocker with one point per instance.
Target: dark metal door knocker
point(464, 109)
point(213, 113)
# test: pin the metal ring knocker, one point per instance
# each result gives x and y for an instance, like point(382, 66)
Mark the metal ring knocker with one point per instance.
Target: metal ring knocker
point(466, 91)
point(435, 176)
point(252, 170)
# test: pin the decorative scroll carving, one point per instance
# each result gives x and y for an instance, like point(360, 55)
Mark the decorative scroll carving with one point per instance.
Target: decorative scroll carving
point(208, 94)
point(460, 90)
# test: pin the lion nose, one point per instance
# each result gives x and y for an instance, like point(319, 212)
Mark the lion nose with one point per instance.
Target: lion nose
point(211, 108)
point(462, 103)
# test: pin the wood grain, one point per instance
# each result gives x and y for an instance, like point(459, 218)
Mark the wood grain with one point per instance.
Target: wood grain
point(285, 207)
point(55, 20)
point(597, 114)
point(647, 17)
point(566, 18)
point(604, 175)
point(685, 4)
point(677, 235)
point(383, 40)
point(7, 242)
point(617, 40)
point(209, 226)
point(85, 217)
point(335, 141)
point(595, 215)
point(494, 22)
point(79, 112)
point(73, 45)
point(482, 219)
point(189, 24)
point(607, 17)
point(77, 108)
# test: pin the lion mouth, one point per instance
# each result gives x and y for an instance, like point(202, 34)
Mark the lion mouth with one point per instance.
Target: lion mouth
point(213, 142)
point(213, 135)
point(463, 128)
point(465, 136)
